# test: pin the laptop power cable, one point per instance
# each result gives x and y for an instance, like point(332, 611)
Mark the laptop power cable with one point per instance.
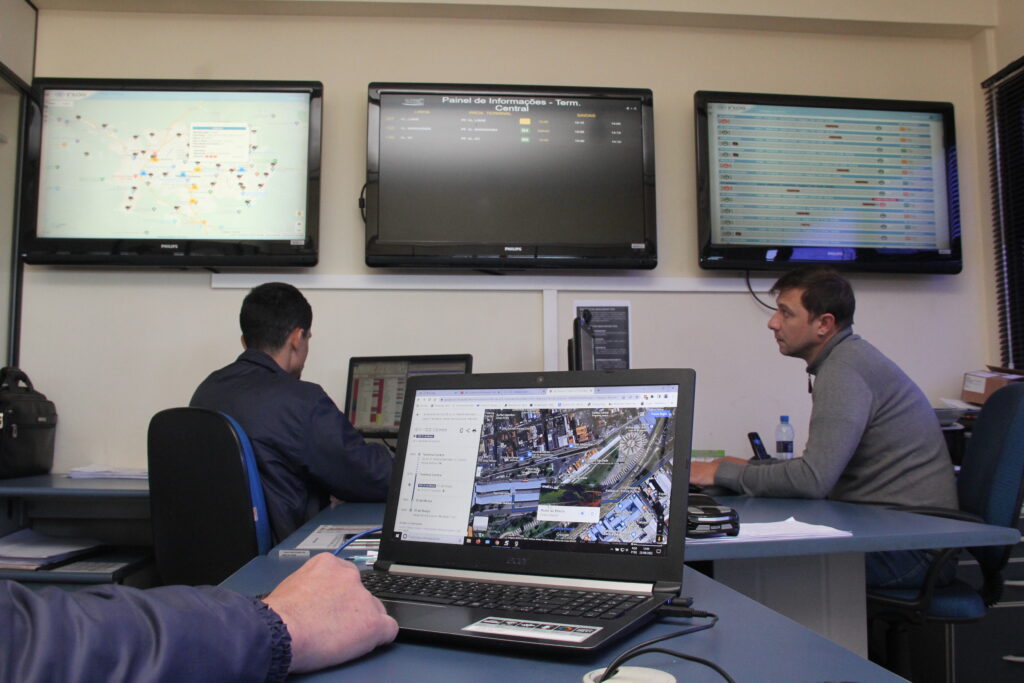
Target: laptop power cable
point(616, 673)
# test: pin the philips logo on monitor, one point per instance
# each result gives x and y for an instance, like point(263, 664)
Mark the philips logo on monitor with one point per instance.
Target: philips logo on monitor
point(513, 248)
point(168, 246)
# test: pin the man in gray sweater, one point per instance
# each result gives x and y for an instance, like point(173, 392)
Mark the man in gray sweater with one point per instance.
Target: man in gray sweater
point(873, 437)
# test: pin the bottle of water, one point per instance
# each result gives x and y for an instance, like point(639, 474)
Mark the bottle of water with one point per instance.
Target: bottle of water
point(784, 439)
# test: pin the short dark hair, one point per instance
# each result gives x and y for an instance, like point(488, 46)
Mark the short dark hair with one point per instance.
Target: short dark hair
point(269, 314)
point(825, 291)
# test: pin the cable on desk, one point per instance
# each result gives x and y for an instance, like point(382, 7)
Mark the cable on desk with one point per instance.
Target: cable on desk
point(361, 534)
point(647, 646)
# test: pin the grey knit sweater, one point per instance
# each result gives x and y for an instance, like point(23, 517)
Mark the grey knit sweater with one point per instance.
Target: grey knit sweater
point(873, 438)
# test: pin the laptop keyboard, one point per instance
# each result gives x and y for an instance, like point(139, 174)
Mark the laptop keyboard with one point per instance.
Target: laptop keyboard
point(510, 597)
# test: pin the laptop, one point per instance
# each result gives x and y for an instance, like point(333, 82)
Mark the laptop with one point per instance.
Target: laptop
point(375, 392)
point(542, 481)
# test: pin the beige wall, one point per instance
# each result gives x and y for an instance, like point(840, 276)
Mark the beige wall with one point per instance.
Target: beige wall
point(1010, 33)
point(17, 37)
point(112, 347)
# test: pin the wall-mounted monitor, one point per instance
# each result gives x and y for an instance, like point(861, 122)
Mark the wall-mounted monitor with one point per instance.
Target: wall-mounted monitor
point(172, 173)
point(786, 180)
point(509, 177)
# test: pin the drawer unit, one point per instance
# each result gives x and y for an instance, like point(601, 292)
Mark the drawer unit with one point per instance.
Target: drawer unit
point(991, 650)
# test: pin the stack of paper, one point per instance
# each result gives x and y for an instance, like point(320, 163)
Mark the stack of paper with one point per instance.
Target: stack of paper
point(104, 472)
point(786, 529)
point(27, 549)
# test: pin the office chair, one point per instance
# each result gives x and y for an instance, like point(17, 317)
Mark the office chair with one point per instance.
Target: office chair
point(207, 507)
point(989, 486)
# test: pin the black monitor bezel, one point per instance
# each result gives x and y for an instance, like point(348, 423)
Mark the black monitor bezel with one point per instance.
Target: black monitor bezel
point(165, 252)
point(729, 257)
point(465, 358)
point(498, 256)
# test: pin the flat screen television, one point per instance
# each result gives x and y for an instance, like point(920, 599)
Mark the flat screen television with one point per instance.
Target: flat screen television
point(509, 177)
point(864, 184)
point(172, 173)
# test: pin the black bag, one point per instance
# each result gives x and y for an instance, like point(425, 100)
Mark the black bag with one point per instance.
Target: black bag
point(28, 424)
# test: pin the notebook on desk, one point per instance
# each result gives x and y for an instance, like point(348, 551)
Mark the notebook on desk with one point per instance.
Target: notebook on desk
point(545, 482)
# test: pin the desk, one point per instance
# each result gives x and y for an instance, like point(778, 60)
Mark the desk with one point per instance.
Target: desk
point(115, 511)
point(819, 582)
point(749, 640)
point(63, 486)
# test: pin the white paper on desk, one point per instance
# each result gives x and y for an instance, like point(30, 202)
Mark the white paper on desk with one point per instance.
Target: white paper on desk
point(786, 529)
point(25, 548)
point(327, 537)
point(105, 472)
point(960, 405)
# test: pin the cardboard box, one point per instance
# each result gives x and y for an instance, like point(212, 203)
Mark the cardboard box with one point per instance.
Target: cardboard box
point(980, 384)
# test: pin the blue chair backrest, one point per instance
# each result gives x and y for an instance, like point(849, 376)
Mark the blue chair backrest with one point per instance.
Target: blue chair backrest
point(252, 474)
point(992, 473)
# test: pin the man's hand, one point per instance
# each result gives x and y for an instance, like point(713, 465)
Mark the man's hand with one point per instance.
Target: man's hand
point(330, 616)
point(703, 473)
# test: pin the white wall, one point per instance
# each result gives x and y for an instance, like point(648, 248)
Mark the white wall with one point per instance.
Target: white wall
point(17, 37)
point(112, 347)
point(1010, 33)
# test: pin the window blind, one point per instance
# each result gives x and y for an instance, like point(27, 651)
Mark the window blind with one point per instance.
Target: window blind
point(1004, 93)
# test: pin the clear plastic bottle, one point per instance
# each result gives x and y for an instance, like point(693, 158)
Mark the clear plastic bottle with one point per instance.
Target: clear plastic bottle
point(784, 435)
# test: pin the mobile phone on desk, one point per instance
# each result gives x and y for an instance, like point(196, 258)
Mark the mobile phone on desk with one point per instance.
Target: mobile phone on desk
point(755, 442)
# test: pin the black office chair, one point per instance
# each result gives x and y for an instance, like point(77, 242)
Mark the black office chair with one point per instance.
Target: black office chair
point(989, 486)
point(207, 507)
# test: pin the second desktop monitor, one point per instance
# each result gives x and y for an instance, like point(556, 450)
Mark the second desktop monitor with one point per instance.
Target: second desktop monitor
point(376, 388)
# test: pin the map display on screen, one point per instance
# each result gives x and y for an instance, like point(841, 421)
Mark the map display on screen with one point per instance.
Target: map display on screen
point(194, 165)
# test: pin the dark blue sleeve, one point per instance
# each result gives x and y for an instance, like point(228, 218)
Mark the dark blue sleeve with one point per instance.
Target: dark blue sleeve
point(338, 457)
point(115, 633)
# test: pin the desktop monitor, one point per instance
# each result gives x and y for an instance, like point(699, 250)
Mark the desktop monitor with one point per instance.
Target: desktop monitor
point(854, 183)
point(376, 388)
point(189, 173)
point(509, 177)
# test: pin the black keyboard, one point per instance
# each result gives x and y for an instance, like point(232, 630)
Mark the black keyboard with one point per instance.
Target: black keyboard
point(502, 596)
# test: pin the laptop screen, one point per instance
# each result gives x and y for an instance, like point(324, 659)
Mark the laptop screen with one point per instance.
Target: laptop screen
point(582, 468)
point(376, 388)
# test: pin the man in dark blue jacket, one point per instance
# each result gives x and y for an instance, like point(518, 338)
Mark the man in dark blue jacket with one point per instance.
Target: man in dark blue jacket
point(318, 617)
point(305, 447)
